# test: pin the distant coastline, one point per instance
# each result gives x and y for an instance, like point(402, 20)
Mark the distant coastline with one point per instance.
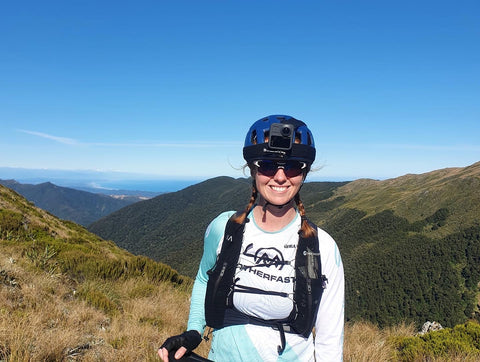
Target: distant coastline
point(133, 186)
point(111, 183)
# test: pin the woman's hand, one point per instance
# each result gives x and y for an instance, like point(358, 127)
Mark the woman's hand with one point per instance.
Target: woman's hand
point(163, 353)
point(181, 344)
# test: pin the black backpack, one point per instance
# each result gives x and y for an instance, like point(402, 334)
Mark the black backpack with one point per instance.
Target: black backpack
point(308, 286)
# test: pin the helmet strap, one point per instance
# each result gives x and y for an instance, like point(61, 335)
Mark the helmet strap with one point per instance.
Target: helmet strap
point(264, 207)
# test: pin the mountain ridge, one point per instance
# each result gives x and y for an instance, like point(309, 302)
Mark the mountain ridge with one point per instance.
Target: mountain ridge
point(453, 187)
point(179, 211)
point(68, 203)
point(410, 245)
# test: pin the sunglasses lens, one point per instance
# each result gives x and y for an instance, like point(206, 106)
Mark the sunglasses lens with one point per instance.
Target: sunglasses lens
point(267, 168)
point(291, 168)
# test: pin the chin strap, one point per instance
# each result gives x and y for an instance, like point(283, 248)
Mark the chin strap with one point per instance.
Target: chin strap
point(264, 208)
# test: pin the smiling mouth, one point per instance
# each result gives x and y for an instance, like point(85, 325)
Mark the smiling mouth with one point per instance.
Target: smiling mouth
point(278, 188)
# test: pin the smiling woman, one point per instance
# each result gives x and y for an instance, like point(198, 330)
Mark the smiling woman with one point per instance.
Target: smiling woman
point(268, 276)
point(279, 169)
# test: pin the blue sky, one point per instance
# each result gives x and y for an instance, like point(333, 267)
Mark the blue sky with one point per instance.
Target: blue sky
point(170, 88)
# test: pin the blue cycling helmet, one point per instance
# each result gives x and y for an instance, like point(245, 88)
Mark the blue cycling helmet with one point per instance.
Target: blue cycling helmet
point(279, 137)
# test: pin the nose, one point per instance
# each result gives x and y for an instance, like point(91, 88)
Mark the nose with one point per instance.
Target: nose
point(280, 175)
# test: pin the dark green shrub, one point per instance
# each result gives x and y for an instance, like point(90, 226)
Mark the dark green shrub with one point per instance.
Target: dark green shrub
point(10, 222)
point(142, 290)
point(99, 298)
point(463, 340)
point(42, 257)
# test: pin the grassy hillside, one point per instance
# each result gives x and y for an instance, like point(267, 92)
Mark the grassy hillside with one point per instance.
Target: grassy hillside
point(410, 245)
point(415, 197)
point(79, 290)
point(70, 204)
point(67, 295)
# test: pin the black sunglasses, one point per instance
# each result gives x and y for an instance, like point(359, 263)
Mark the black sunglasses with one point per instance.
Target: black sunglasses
point(290, 168)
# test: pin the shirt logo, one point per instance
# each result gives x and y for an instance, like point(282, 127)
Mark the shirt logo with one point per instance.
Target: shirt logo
point(266, 257)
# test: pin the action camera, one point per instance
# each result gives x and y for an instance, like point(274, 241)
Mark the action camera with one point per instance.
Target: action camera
point(281, 136)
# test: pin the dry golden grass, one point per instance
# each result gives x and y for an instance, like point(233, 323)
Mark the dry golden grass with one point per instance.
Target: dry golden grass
point(366, 342)
point(42, 319)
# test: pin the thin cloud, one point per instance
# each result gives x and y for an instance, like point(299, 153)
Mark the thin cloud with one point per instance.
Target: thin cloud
point(64, 140)
point(73, 142)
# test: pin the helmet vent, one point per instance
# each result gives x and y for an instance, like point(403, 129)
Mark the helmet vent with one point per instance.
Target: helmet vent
point(266, 135)
point(298, 137)
point(253, 138)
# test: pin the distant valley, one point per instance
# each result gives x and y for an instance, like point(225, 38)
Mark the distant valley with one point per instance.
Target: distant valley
point(71, 204)
point(410, 245)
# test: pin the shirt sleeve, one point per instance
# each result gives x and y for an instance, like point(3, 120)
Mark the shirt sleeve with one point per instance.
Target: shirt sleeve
point(329, 326)
point(212, 241)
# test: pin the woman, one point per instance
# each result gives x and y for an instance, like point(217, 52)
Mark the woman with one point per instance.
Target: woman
point(268, 276)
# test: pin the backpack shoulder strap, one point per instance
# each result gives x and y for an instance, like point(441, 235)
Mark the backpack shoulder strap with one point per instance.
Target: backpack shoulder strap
point(309, 281)
point(220, 277)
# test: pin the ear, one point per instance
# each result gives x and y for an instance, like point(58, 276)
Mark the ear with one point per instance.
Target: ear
point(253, 171)
point(306, 172)
point(304, 177)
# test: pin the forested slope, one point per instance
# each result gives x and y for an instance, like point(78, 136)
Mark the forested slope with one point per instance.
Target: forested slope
point(410, 245)
point(170, 227)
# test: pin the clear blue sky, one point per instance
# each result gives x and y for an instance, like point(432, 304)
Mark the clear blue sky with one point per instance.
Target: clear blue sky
point(170, 88)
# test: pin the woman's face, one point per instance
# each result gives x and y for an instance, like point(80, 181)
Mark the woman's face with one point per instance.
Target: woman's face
point(277, 189)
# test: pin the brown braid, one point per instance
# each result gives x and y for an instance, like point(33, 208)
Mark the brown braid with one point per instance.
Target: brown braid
point(306, 229)
point(241, 218)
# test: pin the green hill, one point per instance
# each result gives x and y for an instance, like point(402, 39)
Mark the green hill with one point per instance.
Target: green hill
point(70, 204)
point(415, 197)
point(410, 245)
point(68, 248)
point(66, 294)
point(170, 227)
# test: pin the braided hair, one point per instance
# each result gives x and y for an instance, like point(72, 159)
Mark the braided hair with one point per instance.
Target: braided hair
point(306, 229)
point(240, 219)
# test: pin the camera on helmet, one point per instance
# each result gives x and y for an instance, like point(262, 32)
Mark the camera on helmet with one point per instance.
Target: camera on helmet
point(281, 136)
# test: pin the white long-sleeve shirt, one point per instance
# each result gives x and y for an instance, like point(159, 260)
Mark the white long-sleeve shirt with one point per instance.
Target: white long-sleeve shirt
point(258, 267)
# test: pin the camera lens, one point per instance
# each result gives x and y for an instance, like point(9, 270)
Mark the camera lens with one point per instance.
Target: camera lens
point(286, 131)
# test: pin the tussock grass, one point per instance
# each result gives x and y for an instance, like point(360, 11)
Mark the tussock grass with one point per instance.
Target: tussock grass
point(365, 342)
point(68, 295)
point(44, 317)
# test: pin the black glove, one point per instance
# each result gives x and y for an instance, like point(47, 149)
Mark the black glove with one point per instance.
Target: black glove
point(189, 339)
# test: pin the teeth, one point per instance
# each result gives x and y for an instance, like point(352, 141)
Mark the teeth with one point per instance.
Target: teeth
point(279, 189)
